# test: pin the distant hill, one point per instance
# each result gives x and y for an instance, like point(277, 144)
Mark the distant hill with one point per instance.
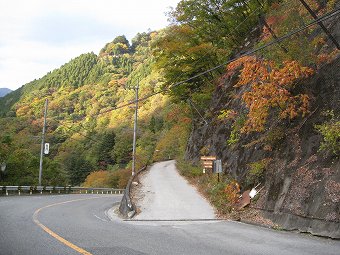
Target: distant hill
point(4, 91)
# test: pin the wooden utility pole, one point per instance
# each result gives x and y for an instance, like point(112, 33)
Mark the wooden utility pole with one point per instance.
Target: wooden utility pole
point(312, 13)
point(42, 143)
point(135, 132)
point(263, 20)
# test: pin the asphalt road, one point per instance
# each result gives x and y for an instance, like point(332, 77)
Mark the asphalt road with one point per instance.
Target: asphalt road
point(82, 222)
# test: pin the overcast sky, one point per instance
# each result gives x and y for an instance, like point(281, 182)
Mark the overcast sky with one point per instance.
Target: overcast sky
point(37, 36)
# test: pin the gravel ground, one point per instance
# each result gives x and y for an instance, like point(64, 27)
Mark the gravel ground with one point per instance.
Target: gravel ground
point(165, 195)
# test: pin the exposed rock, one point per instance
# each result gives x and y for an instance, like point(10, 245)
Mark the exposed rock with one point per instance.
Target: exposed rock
point(302, 184)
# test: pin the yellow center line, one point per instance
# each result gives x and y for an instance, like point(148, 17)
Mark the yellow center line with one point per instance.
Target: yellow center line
point(53, 234)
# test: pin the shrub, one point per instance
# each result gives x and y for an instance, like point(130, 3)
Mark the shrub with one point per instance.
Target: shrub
point(235, 133)
point(232, 191)
point(188, 169)
point(98, 179)
point(256, 172)
point(330, 132)
point(108, 179)
point(274, 136)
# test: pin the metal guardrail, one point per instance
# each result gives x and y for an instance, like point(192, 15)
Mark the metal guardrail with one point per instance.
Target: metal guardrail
point(19, 190)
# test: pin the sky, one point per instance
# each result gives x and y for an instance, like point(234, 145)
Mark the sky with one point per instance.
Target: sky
point(38, 36)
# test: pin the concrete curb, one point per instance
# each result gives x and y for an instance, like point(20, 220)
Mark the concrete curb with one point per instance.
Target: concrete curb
point(127, 208)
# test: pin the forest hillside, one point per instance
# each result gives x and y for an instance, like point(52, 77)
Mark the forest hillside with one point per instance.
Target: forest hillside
point(254, 83)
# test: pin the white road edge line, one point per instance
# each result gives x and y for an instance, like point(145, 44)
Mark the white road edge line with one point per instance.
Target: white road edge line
point(99, 218)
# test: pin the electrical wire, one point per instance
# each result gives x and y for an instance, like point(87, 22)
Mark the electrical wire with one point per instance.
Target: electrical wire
point(80, 134)
point(278, 40)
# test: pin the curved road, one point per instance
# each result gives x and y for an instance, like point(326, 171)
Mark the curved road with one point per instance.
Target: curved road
point(81, 221)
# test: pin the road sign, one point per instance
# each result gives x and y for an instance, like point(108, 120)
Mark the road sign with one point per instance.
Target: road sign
point(218, 166)
point(46, 148)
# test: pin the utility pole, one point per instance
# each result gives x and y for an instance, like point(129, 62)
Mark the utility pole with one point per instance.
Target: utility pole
point(323, 27)
point(42, 142)
point(135, 132)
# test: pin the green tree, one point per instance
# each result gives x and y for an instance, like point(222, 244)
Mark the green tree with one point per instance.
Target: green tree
point(77, 168)
point(105, 146)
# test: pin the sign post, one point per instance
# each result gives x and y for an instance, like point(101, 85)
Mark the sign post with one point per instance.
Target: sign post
point(218, 168)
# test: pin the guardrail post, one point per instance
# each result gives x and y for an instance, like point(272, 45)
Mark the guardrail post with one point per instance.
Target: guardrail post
point(6, 192)
point(92, 191)
point(18, 191)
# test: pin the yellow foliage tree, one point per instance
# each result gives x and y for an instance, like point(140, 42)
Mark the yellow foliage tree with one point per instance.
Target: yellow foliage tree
point(98, 179)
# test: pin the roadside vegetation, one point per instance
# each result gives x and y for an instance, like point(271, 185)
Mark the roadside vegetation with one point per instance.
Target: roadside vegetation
point(91, 140)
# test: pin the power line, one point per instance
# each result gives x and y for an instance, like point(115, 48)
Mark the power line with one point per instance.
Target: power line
point(278, 40)
point(193, 105)
point(80, 134)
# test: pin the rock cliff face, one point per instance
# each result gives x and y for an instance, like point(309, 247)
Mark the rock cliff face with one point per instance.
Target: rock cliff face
point(301, 183)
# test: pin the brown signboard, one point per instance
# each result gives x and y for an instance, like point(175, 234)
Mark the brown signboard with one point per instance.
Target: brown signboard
point(207, 165)
point(208, 158)
point(208, 161)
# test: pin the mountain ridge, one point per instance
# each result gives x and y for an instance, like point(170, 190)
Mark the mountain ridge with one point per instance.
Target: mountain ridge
point(4, 91)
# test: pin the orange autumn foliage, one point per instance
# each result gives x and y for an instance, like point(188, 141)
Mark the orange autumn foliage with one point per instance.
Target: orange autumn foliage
point(270, 87)
point(98, 179)
point(232, 191)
